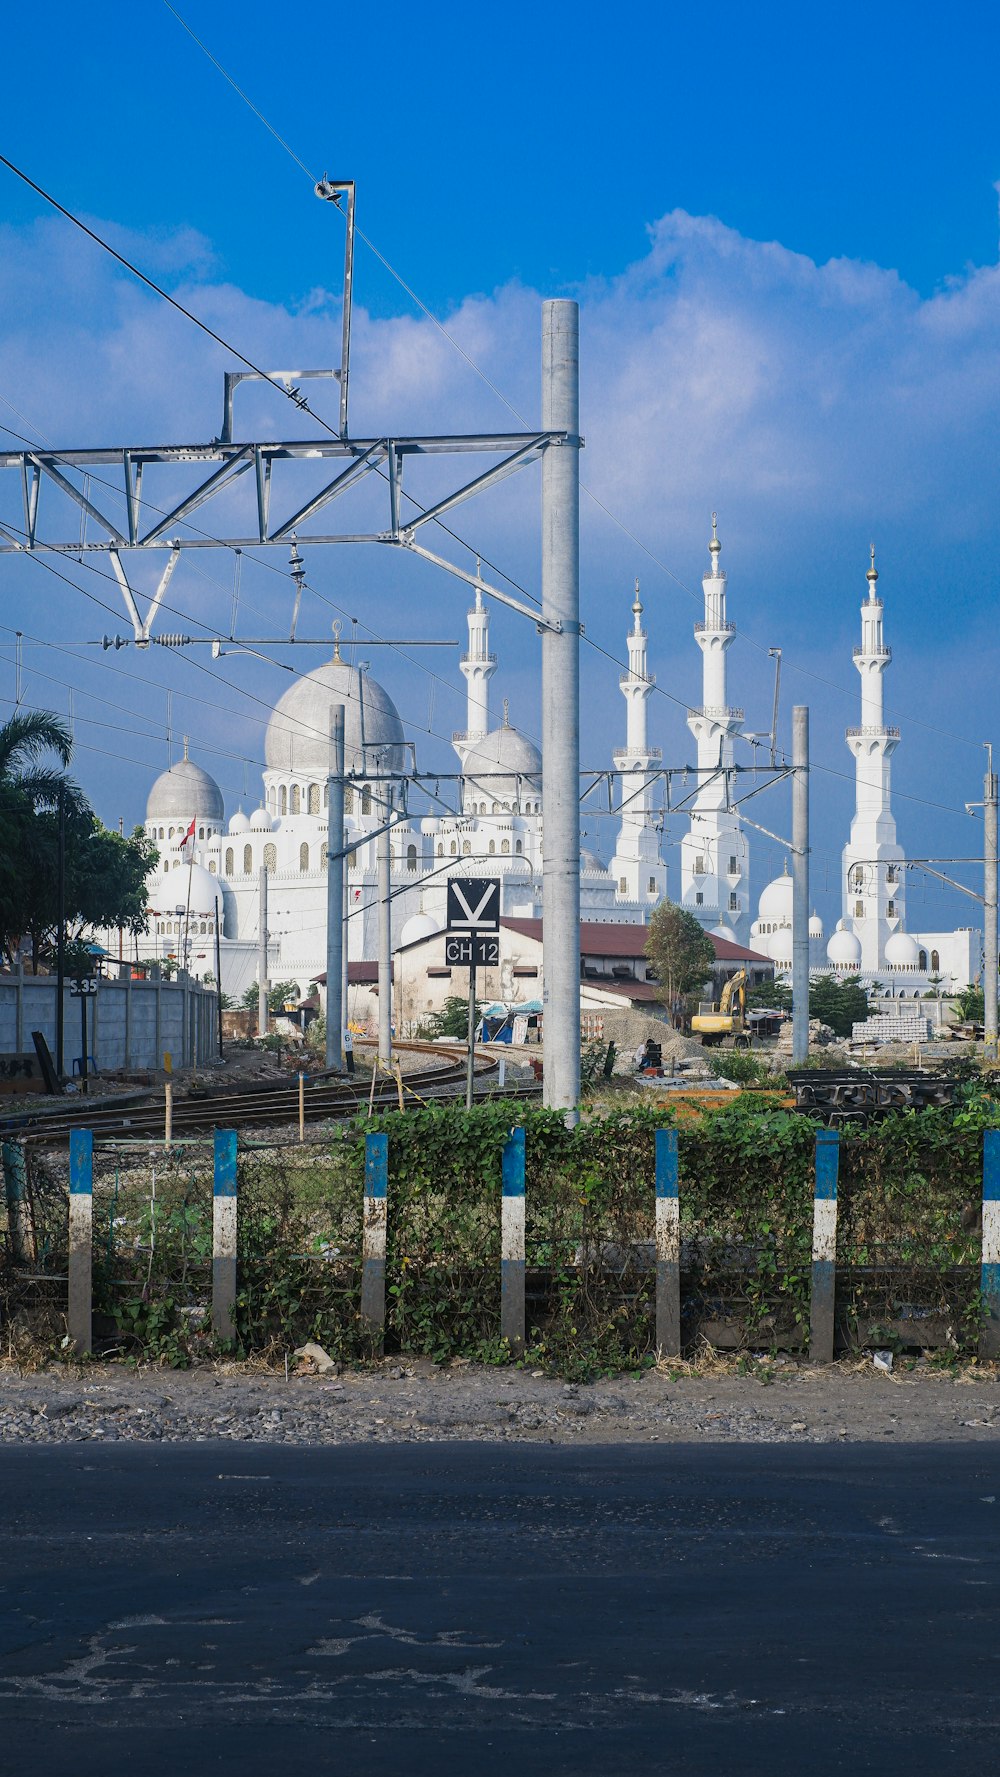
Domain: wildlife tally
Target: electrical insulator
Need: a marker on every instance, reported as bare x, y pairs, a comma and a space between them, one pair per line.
172, 639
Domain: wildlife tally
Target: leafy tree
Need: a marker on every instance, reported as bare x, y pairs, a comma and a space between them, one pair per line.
840, 1004
970, 1005
680, 950
771, 996
277, 994
453, 1018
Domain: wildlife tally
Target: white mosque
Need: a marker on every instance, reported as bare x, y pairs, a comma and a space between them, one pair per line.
213, 888
213, 885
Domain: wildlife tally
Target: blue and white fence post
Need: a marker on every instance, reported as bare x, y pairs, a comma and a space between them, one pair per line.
373, 1237
224, 1213
668, 1246
81, 1227
824, 1247
989, 1337
512, 1242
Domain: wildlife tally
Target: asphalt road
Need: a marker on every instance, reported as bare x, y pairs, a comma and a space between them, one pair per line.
461, 1608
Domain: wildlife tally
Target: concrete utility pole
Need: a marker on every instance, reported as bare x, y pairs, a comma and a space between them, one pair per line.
561, 706
262, 981
800, 883
335, 934
990, 909
384, 855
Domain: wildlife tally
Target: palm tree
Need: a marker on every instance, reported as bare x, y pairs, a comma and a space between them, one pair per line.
24, 741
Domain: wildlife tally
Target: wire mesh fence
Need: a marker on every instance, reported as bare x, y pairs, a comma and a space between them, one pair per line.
33, 1252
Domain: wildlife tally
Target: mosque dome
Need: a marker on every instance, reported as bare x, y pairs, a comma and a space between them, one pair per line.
260, 821
239, 823
298, 734
724, 931
902, 951
776, 900
778, 945
589, 860
844, 949
188, 884
503, 750
419, 925
815, 926
185, 792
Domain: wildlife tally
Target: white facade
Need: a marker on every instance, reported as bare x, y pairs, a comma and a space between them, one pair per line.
715, 864
498, 831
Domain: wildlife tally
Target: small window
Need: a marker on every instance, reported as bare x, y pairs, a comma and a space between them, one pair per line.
270, 857
352, 859
172, 832
699, 865
734, 868
283, 799
857, 877
322, 857
295, 806
348, 800
505, 847
201, 832
314, 799
652, 886
859, 910
366, 800
211, 868
935, 962
247, 860
699, 899
466, 848
326, 795
303, 857
493, 847
440, 849
230, 861
204, 927
734, 905
890, 910
411, 857
922, 959
453, 849
892, 875
518, 848
623, 885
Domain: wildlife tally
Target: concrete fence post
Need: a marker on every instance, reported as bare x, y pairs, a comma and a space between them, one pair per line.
512, 1243
824, 1247
81, 1226
989, 1338
373, 1247
668, 1245
225, 1204
15, 1179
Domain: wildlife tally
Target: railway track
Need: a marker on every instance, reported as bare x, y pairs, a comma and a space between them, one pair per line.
324, 1099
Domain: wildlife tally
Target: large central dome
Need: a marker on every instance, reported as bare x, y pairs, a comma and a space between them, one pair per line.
298, 734
504, 767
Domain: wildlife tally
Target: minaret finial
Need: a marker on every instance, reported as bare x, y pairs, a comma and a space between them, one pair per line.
506, 712
479, 590
715, 547
637, 606
336, 626
872, 575
185, 746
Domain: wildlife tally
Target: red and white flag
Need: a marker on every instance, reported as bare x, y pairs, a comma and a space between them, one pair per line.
188, 835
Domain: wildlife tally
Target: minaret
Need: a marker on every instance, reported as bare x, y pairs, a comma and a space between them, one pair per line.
637, 865
478, 666
714, 855
874, 892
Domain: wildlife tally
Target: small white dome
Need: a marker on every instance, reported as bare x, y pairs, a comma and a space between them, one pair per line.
844, 949
419, 925
723, 931
590, 861
503, 750
902, 951
776, 900
169, 891
239, 822
778, 945
815, 926
260, 821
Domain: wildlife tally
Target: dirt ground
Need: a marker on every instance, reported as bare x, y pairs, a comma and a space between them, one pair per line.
770, 1402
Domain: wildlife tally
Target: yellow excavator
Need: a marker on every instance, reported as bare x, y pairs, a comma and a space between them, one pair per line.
713, 1024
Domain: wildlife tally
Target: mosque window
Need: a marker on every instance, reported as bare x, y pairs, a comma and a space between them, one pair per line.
623, 885
493, 847
856, 880
453, 849
518, 847
314, 799
652, 885
922, 959
734, 868
859, 910
247, 860
322, 857
699, 865
295, 805
172, 832
270, 857
734, 905
162, 834
352, 859
303, 857
890, 910
230, 861
699, 899
411, 857
496, 808
201, 832
204, 927
440, 850
892, 874
505, 847
348, 800
935, 961
283, 800
466, 848
366, 800
212, 868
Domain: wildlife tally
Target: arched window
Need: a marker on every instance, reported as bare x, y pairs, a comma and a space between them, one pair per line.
322, 857
518, 848
496, 808
440, 849
272, 800
201, 832
352, 859
162, 834
303, 857
493, 847
411, 857
230, 862
172, 832
283, 800
935, 962
366, 800
348, 800
505, 847
314, 799
247, 860
453, 849
204, 927
270, 857
326, 795
295, 805
922, 959
466, 848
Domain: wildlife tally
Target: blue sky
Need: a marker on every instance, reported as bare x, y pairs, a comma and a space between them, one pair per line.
783, 232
